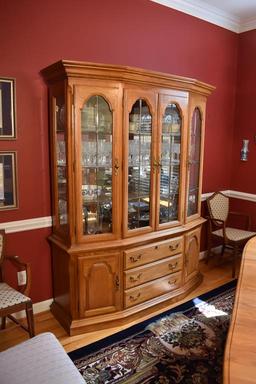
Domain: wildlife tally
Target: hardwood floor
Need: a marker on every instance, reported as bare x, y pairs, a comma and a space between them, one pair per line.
214, 276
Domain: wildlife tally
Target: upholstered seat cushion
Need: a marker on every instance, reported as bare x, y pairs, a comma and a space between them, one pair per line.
10, 297
235, 234
40, 360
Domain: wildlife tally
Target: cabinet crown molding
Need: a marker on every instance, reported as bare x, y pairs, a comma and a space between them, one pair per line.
67, 68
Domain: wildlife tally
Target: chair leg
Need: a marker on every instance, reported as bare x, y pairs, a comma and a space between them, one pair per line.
30, 319
3, 323
235, 253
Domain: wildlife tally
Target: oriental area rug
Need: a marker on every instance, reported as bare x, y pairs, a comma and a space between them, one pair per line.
185, 345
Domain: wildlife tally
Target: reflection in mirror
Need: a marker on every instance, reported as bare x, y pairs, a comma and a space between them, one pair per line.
170, 164
8, 194
139, 165
96, 165
194, 162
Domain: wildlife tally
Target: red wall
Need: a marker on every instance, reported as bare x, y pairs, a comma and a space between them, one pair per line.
243, 173
34, 34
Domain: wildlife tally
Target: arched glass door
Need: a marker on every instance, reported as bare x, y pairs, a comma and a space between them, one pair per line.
194, 162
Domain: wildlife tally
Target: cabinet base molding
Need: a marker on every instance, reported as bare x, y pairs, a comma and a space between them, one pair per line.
122, 318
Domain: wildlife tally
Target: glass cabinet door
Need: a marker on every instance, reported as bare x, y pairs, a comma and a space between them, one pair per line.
61, 214
96, 166
194, 163
139, 166
169, 166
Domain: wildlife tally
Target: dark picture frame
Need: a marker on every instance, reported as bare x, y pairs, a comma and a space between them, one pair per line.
8, 180
7, 109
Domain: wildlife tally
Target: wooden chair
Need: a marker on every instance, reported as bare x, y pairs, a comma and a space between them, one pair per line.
12, 300
218, 207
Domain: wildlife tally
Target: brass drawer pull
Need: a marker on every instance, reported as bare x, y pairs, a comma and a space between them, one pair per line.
173, 266
174, 247
170, 282
136, 258
134, 279
134, 298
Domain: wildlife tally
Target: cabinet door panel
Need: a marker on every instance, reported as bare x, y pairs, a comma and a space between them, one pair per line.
99, 285
98, 167
139, 181
192, 249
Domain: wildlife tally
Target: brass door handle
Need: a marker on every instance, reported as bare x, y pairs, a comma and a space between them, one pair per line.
117, 283
155, 165
116, 167
170, 282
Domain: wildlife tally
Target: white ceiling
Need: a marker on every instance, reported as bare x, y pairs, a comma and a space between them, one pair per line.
235, 15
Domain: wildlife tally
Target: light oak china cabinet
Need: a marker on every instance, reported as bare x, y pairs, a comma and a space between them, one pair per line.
126, 162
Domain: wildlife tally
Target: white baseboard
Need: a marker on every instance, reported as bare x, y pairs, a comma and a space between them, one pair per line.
203, 254
39, 307
42, 306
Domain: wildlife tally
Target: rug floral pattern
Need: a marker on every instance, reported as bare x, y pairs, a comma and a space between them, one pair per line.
183, 348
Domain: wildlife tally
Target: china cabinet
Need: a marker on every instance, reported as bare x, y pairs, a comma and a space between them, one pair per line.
126, 165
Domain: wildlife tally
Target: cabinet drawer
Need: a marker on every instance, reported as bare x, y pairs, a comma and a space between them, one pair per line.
152, 289
149, 253
143, 274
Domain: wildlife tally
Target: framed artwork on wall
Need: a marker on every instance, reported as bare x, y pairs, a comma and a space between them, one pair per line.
7, 109
8, 180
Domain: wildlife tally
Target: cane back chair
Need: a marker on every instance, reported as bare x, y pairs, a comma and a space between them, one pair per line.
15, 300
218, 207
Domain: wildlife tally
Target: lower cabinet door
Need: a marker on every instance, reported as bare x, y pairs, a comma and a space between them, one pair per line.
99, 284
192, 249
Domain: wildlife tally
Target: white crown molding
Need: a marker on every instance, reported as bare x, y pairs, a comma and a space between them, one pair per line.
214, 15
27, 225
248, 25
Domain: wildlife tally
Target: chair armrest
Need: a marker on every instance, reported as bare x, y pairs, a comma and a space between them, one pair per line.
22, 266
218, 223
247, 217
